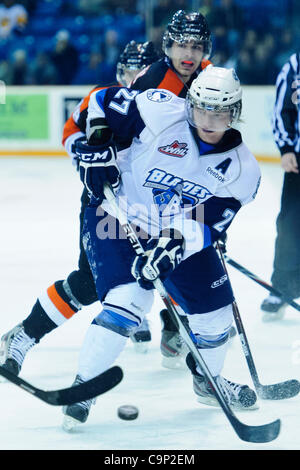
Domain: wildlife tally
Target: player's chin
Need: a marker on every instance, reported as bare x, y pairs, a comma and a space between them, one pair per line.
209, 136
188, 69
207, 131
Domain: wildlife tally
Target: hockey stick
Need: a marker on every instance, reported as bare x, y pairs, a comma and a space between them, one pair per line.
263, 433
278, 391
259, 281
67, 396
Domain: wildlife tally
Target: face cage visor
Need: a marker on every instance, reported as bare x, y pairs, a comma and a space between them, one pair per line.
202, 47
212, 118
126, 74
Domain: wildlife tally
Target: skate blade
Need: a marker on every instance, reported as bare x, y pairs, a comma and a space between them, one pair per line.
70, 423
141, 347
274, 316
177, 362
211, 401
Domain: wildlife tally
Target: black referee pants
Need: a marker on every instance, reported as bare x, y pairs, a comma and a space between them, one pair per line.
286, 273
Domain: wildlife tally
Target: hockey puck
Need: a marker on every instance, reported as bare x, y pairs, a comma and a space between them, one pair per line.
128, 412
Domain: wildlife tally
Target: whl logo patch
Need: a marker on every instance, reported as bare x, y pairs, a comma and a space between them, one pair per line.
176, 149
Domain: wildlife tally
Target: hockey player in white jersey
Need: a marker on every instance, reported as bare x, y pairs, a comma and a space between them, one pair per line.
64, 298
184, 178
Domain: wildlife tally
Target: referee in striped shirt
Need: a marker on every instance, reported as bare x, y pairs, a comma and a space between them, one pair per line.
286, 130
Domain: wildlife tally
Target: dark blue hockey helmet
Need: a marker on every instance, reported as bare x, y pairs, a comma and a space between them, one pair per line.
135, 57
187, 27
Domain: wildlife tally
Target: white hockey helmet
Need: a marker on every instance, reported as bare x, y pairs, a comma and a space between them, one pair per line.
215, 89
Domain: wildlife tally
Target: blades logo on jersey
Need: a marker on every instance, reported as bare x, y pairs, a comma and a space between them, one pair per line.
176, 149
192, 193
168, 202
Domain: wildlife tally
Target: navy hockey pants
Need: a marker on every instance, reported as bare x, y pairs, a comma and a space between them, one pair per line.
199, 284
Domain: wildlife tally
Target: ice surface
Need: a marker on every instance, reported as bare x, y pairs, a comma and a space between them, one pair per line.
39, 207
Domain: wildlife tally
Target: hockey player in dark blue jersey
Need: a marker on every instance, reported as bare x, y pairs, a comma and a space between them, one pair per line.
180, 184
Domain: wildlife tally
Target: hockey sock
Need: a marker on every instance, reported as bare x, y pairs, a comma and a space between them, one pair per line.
100, 349
38, 324
214, 358
51, 309
212, 331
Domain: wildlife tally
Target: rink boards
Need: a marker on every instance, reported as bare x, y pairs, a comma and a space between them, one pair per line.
32, 119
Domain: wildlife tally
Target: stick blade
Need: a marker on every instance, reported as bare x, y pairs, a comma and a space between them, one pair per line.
259, 434
92, 388
279, 391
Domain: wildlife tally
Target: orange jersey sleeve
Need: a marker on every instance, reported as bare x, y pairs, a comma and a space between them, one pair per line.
205, 63
171, 82
71, 126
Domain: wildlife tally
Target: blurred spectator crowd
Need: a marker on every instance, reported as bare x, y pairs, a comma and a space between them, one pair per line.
74, 42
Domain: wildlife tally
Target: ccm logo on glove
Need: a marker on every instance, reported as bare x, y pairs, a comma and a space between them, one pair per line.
97, 166
96, 157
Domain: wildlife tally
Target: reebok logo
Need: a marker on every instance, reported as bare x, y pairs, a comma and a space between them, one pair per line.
215, 174
176, 149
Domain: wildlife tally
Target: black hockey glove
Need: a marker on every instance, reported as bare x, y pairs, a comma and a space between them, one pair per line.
97, 165
162, 256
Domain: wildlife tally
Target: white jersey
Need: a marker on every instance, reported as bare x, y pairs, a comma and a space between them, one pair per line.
165, 154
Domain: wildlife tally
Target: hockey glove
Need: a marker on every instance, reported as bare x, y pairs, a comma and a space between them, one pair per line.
162, 256
73, 155
97, 165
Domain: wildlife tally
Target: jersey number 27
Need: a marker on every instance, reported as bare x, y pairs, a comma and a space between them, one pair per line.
128, 96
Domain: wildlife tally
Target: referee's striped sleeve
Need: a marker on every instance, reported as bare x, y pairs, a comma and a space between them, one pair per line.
286, 116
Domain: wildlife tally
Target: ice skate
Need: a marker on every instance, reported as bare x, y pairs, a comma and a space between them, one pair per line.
273, 308
240, 397
14, 346
78, 412
172, 347
142, 337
